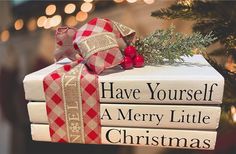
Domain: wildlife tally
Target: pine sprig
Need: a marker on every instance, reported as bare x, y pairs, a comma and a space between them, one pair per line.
168, 46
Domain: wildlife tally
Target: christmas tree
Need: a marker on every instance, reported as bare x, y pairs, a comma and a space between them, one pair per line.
218, 18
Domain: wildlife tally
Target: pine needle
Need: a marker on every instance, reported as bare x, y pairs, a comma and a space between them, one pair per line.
168, 46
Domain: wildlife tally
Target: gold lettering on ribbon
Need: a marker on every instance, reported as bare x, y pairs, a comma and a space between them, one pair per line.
97, 42
73, 105
124, 30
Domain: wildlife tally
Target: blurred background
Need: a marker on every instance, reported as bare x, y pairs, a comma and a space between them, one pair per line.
27, 44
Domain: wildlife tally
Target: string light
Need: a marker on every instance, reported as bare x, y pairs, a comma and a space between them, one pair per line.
50, 9
19, 23
41, 21
118, 1
131, 1
69, 8
149, 1
81, 16
86, 7
71, 21
32, 24
5, 35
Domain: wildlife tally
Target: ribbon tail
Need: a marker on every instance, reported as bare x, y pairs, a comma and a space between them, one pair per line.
126, 32
91, 106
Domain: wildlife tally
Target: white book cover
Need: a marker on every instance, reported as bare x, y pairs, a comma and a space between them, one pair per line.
148, 116
172, 138
193, 81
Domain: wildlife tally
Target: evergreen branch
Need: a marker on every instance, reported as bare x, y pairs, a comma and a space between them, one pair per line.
208, 16
168, 46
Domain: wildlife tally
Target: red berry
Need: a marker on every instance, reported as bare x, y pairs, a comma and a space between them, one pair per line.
138, 61
127, 63
130, 51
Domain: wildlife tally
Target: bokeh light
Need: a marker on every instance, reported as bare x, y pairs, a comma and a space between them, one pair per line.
19, 23
89, 1
233, 113
55, 20
5, 35
86, 7
41, 21
50, 9
47, 24
32, 24
118, 1
81, 16
69, 8
131, 1
71, 21
149, 1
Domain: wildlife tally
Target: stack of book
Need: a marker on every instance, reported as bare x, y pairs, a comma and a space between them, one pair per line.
172, 105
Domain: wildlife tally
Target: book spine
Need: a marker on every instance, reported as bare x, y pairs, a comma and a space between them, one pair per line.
189, 139
151, 91
176, 91
151, 116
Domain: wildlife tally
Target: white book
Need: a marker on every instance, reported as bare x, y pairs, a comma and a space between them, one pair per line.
148, 116
172, 138
193, 81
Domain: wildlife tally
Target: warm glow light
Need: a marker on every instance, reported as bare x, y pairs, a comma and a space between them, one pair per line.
89, 1
118, 1
81, 16
19, 23
5, 35
50, 9
70, 8
32, 25
149, 1
131, 1
71, 21
41, 21
55, 20
86, 7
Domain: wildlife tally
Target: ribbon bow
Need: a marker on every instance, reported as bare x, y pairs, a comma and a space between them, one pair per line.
71, 92
98, 42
